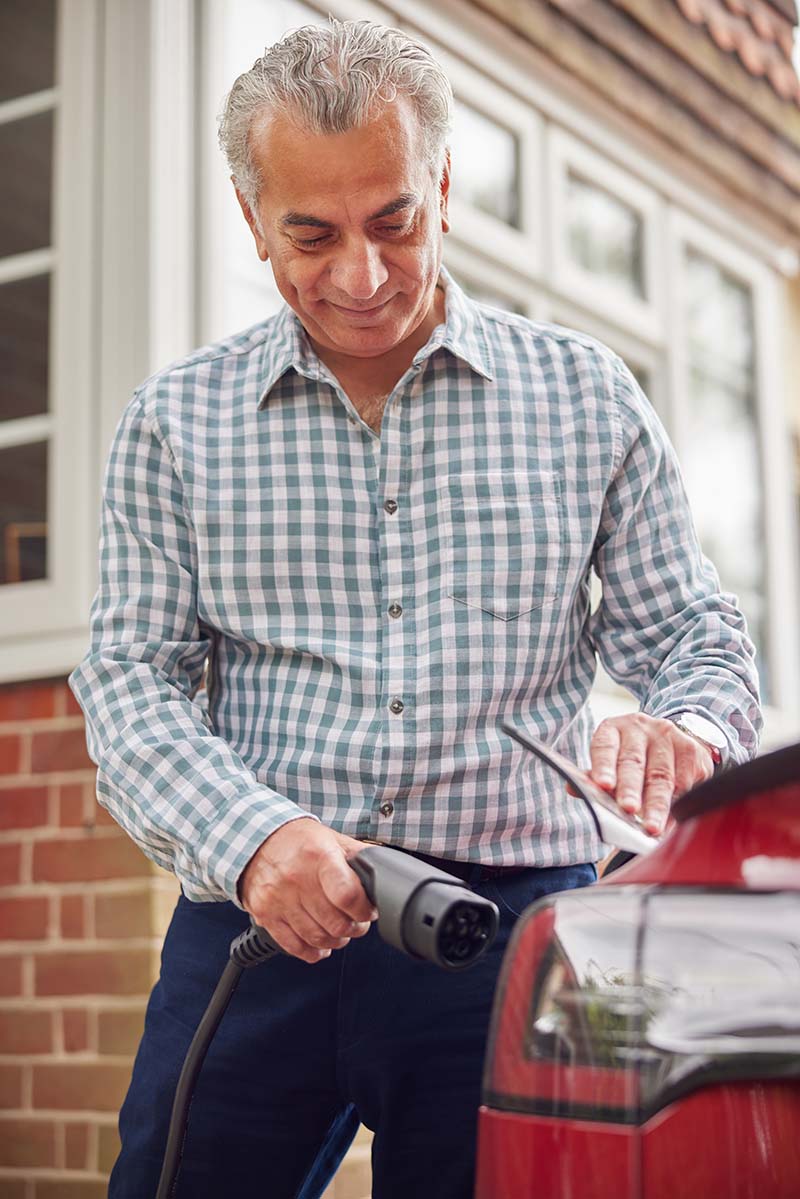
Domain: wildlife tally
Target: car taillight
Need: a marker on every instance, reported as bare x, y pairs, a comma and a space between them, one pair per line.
615, 1001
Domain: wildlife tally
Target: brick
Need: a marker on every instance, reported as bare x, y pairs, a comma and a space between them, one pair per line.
72, 805
10, 975
61, 749
25, 1030
23, 807
15, 1188
88, 859
76, 1146
102, 818
24, 918
125, 915
70, 1188
123, 972
27, 701
76, 1030
79, 1086
120, 1030
10, 864
10, 1086
72, 916
27, 1142
10, 746
71, 705
108, 1147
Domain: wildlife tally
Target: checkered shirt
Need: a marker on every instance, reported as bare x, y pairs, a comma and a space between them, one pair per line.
373, 608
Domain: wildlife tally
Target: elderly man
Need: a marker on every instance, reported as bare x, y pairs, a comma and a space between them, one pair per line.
375, 516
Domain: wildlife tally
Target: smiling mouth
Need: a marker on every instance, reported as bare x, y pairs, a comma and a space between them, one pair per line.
359, 311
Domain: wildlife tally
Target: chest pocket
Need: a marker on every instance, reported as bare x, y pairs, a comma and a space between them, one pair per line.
503, 541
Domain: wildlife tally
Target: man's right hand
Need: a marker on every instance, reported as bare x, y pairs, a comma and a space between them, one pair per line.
299, 887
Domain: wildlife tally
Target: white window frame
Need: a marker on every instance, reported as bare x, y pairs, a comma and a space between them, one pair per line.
643, 316
519, 250
43, 622
773, 427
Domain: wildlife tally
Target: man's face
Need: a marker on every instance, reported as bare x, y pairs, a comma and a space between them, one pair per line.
352, 224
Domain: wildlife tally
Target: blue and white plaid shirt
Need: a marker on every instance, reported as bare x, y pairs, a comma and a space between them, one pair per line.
374, 608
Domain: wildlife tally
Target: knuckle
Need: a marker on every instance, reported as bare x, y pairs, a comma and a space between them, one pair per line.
661, 773
632, 756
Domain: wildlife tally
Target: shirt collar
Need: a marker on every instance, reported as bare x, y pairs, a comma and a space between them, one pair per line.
462, 334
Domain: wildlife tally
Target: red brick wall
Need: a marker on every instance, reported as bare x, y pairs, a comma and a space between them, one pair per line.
81, 920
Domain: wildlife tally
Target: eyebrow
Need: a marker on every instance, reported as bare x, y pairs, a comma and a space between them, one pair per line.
406, 200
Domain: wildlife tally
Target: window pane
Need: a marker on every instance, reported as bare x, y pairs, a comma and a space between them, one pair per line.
721, 457
24, 336
485, 164
27, 42
485, 294
23, 513
605, 235
25, 183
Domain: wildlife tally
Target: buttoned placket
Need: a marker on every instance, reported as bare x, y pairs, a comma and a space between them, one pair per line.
397, 658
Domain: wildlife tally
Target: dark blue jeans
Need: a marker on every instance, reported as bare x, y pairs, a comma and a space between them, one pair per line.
305, 1052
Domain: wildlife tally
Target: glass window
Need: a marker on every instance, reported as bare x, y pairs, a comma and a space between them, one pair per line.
27, 47
24, 336
487, 295
23, 513
485, 165
26, 151
721, 451
606, 236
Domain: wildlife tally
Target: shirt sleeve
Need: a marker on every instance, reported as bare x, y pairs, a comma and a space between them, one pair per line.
180, 791
664, 629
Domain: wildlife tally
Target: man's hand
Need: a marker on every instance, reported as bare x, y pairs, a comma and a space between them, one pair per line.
299, 887
645, 762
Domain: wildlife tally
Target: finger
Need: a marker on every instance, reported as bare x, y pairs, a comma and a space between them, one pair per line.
333, 922
693, 764
342, 890
604, 750
315, 934
659, 786
285, 937
631, 763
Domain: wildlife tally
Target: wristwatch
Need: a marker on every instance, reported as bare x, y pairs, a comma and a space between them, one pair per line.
706, 732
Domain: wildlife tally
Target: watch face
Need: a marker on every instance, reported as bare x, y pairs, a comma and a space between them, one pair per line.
706, 730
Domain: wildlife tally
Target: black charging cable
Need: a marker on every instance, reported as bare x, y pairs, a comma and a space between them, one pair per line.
422, 911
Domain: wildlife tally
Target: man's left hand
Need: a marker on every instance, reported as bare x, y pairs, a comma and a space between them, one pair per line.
644, 762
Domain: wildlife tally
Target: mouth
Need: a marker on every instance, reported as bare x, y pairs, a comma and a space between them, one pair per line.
359, 312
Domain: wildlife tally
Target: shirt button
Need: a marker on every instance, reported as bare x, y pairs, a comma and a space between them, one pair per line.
391, 507
396, 706
395, 610
386, 809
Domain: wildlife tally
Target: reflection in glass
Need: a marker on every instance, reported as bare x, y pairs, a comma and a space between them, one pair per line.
721, 452
24, 335
23, 513
27, 42
25, 183
606, 236
485, 165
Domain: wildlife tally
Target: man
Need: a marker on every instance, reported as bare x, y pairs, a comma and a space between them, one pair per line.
375, 514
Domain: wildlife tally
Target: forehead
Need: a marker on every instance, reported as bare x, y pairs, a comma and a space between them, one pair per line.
368, 166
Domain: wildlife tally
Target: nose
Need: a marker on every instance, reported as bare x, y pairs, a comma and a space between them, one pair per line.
358, 270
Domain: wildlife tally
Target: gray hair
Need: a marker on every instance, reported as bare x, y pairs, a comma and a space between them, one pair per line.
330, 78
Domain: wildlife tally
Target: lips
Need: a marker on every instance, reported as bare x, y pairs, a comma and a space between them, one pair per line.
359, 311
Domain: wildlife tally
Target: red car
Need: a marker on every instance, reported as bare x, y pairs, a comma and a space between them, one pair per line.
645, 1039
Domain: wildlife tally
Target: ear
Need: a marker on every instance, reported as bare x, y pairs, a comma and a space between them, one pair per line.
444, 193
249, 216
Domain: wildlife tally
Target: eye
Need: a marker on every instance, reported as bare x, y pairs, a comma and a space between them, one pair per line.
312, 241
392, 228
